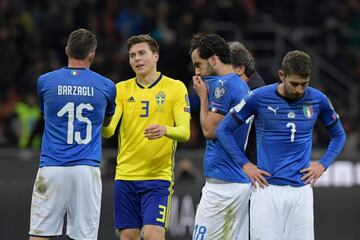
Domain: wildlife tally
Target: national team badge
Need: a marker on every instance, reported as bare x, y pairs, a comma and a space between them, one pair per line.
308, 111
160, 98
219, 92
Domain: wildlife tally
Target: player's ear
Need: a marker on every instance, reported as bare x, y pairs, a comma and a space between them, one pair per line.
66, 51
156, 56
281, 74
91, 57
212, 60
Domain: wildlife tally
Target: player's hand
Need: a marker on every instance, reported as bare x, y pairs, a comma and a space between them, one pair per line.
256, 175
199, 86
155, 131
312, 173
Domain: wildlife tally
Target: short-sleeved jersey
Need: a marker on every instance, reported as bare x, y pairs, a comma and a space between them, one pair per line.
224, 92
284, 130
74, 102
139, 107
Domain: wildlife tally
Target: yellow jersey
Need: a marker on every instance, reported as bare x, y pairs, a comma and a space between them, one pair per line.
164, 102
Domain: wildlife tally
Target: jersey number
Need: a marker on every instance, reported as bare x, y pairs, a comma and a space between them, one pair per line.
292, 130
72, 113
145, 109
199, 232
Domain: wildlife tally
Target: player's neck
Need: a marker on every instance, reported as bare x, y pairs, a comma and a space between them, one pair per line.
78, 63
280, 89
225, 69
147, 79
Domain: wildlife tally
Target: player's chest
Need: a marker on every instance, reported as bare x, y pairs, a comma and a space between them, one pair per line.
147, 103
277, 116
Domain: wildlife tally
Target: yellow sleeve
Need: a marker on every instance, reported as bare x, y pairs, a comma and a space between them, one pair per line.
108, 131
181, 110
181, 132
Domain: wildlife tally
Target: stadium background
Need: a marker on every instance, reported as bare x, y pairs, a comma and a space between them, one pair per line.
32, 40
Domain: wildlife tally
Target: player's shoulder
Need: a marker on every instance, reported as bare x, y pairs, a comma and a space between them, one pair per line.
265, 90
172, 81
106, 80
313, 92
125, 83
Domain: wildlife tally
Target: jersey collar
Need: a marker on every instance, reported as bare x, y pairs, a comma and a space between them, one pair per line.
152, 85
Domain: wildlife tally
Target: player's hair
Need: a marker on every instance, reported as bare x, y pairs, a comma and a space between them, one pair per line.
146, 38
297, 63
209, 45
240, 56
81, 43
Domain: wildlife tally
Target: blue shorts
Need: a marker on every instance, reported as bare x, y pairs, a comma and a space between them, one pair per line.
139, 203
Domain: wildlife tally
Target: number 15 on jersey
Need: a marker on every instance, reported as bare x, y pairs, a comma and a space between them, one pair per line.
77, 113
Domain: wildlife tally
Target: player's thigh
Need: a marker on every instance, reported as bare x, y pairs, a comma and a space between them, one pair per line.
222, 211
300, 224
127, 205
50, 197
156, 202
85, 202
268, 213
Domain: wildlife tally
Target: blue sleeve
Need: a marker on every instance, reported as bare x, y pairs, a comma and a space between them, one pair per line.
327, 114
337, 142
236, 117
226, 96
246, 108
224, 134
110, 108
40, 94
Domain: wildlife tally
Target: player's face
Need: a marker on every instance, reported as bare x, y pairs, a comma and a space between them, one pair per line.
202, 66
293, 85
142, 60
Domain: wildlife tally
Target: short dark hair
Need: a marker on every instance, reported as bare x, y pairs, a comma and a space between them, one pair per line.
209, 45
81, 43
240, 56
297, 63
153, 45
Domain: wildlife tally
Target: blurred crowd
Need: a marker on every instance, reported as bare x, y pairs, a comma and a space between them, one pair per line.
33, 36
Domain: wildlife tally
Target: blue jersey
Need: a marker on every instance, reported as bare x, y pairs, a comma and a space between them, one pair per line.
284, 130
224, 92
74, 102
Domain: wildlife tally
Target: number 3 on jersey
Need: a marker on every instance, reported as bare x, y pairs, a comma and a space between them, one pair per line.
145, 108
72, 113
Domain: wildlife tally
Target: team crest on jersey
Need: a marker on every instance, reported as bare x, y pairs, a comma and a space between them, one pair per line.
160, 98
308, 111
219, 92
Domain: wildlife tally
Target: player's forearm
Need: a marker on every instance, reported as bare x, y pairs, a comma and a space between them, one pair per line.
109, 129
224, 135
206, 125
181, 132
337, 142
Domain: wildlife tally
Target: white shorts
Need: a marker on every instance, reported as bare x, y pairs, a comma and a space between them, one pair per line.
74, 190
223, 212
282, 213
